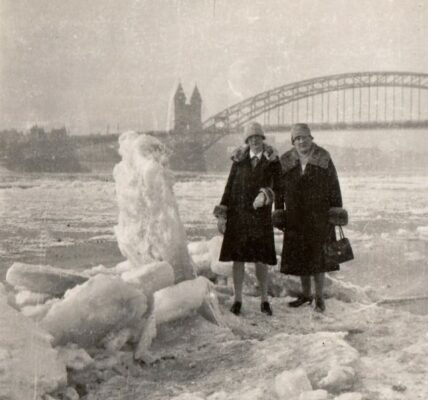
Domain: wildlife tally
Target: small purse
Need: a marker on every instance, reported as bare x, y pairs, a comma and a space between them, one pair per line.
339, 251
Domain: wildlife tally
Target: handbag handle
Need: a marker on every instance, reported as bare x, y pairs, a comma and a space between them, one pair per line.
341, 234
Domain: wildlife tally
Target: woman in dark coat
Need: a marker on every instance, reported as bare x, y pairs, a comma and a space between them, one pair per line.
309, 188
244, 213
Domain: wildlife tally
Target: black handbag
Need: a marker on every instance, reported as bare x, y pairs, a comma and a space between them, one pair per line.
339, 251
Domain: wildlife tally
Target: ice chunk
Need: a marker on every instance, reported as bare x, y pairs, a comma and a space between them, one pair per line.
115, 340
148, 333
203, 265
92, 310
99, 269
150, 277
219, 267
74, 358
348, 292
256, 393
43, 278
199, 247
423, 232
27, 298
350, 396
290, 384
338, 379
317, 353
221, 395
180, 300
149, 227
123, 267
71, 394
29, 366
189, 396
314, 395
38, 312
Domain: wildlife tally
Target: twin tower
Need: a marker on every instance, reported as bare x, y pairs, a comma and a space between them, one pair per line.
187, 116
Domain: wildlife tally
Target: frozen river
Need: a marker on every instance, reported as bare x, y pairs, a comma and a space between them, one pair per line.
388, 221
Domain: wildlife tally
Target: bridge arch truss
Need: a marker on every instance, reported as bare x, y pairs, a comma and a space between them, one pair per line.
351, 98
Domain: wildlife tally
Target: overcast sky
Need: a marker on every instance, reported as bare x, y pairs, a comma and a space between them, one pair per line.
85, 64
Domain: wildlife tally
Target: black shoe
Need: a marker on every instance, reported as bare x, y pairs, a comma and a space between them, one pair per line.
300, 301
265, 308
319, 305
236, 308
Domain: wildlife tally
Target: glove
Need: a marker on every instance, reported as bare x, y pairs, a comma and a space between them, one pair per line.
221, 225
259, 201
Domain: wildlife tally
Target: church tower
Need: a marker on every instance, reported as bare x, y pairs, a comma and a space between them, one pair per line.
195, 111
187, 117
187, 139
180, 110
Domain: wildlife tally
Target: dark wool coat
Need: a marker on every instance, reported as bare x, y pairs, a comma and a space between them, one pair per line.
307, 198
249, 233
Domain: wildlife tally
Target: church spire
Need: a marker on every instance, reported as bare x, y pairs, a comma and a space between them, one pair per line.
196, 96
179, 94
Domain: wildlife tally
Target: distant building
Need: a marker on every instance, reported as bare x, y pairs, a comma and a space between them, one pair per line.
187, 116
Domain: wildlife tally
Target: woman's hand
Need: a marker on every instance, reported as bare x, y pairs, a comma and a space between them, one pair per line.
259, 201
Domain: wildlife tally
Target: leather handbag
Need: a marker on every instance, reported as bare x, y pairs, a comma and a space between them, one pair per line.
338, 251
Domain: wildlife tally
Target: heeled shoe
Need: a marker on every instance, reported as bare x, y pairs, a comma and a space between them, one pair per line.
265, 308
300, 301
236, 308
319, 305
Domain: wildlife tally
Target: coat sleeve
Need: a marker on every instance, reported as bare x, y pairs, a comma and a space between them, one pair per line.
335, 195
225, 200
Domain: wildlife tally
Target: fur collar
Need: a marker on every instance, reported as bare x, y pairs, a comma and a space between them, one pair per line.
243, 152
319, 157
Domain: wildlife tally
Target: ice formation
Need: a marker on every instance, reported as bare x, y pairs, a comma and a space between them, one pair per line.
74, 357
149, 227
150, 277
219, 267
290, 384
91, 311
314, 395
43, 278
28, 298
179, 300
29, 366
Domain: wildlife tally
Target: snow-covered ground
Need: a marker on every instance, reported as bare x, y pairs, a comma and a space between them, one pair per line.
137, 332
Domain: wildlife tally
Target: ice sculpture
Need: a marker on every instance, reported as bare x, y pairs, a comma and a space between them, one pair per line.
149, 227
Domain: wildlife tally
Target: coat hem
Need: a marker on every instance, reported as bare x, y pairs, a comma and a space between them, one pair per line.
306, 273
229, 259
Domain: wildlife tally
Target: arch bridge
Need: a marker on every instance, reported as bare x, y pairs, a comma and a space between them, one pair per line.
362, 100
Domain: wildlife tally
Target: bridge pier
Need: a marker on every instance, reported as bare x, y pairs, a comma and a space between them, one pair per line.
187, 153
